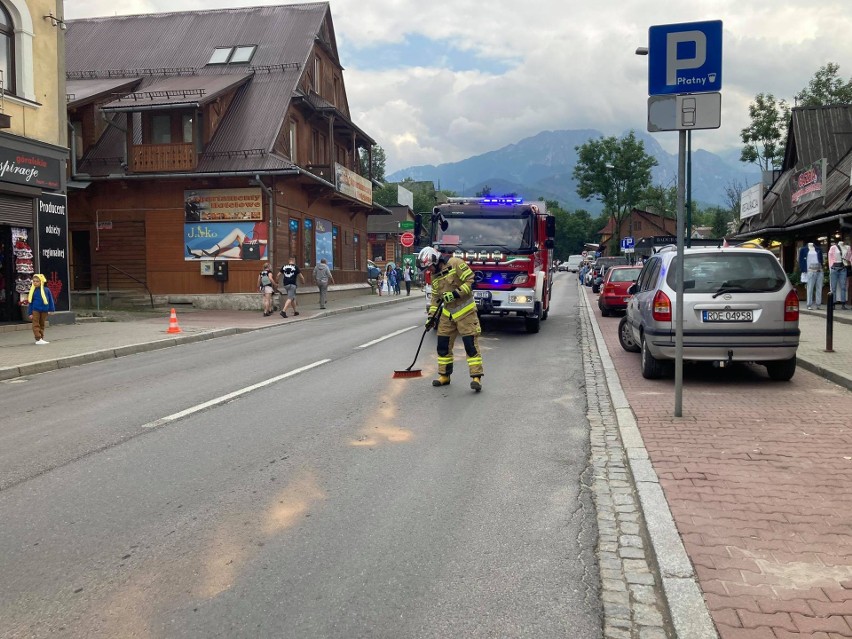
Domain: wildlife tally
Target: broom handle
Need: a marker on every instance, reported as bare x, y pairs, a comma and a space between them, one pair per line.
422, 337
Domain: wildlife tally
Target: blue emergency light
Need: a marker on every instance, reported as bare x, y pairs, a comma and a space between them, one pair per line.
502, 200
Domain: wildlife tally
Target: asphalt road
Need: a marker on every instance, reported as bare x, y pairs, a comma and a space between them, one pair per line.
282, 484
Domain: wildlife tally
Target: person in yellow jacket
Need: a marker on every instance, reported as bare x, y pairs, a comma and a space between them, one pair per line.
452, 291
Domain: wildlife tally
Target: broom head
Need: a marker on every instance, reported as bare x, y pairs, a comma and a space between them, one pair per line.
407, 373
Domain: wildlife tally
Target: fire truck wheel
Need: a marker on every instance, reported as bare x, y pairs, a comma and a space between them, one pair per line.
533, 322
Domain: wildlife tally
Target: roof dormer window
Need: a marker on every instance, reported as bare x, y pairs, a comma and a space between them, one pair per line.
233, 55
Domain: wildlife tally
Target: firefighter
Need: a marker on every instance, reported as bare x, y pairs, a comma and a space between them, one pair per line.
452, 285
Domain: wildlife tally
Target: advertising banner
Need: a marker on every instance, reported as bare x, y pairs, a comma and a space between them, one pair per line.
325, 245
351, 184
31, 169
225, 241
221, 205
808, 184
52, 222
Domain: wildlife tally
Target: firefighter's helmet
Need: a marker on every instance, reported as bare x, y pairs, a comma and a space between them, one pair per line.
427, 257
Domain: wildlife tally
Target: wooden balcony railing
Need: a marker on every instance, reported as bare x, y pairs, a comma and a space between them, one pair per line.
156, 158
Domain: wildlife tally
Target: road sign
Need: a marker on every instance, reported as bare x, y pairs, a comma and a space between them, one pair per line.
407, 239
627, 243
685, 58
407, 225
684, 112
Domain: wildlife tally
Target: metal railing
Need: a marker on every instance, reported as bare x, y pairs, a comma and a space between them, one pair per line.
110, 267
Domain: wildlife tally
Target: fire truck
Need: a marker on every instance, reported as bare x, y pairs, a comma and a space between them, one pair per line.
508, 244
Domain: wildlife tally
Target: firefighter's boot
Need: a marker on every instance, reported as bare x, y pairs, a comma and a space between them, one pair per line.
475, 383
443, 380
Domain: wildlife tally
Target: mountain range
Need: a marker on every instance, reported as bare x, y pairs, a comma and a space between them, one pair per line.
542, 165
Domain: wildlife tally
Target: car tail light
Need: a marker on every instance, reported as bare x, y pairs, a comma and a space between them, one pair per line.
791, 307
662, 308
609, 289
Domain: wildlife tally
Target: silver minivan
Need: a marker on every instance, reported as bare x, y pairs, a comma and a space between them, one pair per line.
739, 306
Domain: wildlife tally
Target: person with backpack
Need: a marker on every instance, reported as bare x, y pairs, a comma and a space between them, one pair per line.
265, 285
322, 276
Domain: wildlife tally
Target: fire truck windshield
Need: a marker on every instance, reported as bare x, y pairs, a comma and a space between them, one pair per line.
507, 234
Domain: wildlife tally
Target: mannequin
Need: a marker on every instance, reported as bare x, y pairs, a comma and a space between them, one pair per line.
810, 264
837, 264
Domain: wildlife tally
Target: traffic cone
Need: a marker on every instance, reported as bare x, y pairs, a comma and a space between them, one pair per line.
173, 324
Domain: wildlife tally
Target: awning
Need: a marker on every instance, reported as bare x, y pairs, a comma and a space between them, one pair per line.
79, 92
178, 91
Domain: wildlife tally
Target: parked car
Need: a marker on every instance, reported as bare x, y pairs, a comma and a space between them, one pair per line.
738, 306
614, 295
573, 263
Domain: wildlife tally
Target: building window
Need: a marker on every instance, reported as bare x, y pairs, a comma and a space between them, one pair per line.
187, 126
7, 50
317, 69
78, 138
309, 242
377, 251
161, 129
293, 154
233, 55
315, 147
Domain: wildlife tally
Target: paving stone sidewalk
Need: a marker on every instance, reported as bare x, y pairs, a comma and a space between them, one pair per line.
758, 478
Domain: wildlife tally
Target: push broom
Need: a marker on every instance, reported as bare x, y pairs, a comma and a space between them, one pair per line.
416, 372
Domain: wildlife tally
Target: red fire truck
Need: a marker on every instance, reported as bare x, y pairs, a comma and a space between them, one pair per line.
508, 244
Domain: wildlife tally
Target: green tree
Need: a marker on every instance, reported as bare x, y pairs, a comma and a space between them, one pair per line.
615, 172
484, 192
660, 199
721, 217
377, 165
765, 137
825, 88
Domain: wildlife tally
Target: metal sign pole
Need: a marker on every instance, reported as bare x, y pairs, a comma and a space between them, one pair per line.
681, 188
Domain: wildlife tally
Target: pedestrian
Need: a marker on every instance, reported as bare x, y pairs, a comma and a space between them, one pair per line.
40, 305
406, 276
290, 274
838, 259
398, 283
322, 276
372, 275
391, 279
452, 285
379, 282
265, 284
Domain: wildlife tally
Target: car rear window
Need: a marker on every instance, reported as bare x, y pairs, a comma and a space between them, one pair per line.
624, 274
730, 271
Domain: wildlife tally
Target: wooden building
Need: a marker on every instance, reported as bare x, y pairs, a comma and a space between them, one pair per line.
208, 143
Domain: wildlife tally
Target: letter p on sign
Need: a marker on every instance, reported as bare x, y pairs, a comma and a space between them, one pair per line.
674, 63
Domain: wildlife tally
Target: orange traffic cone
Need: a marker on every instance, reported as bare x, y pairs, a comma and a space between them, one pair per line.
173, 325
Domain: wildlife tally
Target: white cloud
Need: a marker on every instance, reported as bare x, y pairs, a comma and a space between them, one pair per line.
570, 65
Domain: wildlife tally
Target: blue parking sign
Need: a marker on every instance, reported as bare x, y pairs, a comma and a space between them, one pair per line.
685, 58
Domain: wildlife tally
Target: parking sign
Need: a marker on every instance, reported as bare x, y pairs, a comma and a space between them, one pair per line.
685, 58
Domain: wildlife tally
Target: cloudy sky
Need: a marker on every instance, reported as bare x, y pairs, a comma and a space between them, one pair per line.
442, 80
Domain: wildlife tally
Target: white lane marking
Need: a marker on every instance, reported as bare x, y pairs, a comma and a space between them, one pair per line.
226, 398
382, 339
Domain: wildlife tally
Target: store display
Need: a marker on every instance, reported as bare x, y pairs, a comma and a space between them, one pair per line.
24, 268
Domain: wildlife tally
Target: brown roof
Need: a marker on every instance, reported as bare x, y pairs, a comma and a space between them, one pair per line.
815, 132
82, 91
171, 92
167, 49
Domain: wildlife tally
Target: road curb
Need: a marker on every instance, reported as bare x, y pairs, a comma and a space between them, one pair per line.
689, 614
828, 373
44, 366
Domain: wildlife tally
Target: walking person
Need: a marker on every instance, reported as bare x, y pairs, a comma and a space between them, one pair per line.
391, 279
406, 276
290, 274
379, 282
452, 285
322, 276
399, 276
265, 284
41, 303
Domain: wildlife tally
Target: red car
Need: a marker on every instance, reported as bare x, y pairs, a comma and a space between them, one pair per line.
616, 281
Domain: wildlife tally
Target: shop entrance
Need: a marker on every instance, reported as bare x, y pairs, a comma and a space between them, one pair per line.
81, 265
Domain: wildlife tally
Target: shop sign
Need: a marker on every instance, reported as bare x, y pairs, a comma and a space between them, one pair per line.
808, 184
351, 184
751, 201
223, 205
52, 229
20, 167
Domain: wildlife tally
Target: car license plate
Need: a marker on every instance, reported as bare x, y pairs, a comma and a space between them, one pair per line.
482, 295
727, 316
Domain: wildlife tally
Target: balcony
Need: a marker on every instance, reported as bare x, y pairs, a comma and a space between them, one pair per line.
160, 158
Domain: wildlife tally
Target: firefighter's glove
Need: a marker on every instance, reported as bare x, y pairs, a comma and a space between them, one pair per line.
449, 296
430, 321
